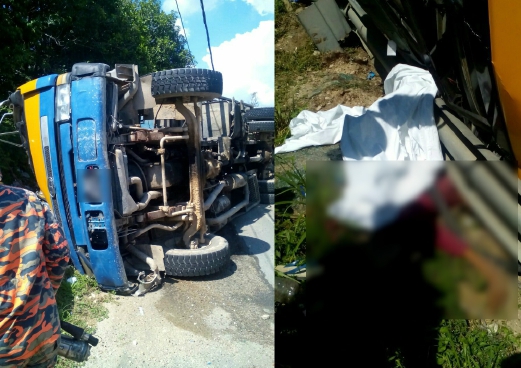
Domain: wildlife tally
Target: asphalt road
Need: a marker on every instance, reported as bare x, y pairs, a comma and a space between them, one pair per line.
224, 320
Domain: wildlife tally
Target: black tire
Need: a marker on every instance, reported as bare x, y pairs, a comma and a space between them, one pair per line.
261, 113
266, 198
207, 260
203, 83
261, 126
267, 186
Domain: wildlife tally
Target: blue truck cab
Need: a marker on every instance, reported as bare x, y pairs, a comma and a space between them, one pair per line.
137, 196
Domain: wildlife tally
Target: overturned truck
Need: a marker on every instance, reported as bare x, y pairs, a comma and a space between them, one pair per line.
138, 194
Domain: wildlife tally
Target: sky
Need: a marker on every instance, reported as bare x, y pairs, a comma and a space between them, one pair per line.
242, 34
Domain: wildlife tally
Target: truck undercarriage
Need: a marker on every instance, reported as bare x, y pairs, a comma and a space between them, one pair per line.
139, 195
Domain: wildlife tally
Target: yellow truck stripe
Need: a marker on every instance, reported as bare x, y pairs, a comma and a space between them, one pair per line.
32, 118
28, 87
62, 78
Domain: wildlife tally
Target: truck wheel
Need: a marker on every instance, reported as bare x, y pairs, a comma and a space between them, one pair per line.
261, 126
206, 260
260, 113
187, 82
267, 186
267, 198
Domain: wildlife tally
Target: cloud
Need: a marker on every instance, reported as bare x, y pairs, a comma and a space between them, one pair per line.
247, 64
185, 32
189, 7
263, 7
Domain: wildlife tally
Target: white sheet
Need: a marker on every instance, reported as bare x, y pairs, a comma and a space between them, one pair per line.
378, 191
399, 126
317, 128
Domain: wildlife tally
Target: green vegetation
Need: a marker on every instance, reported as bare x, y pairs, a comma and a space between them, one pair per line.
460, 343
288, 66
42, 38
280, 8
468, 344
465, 343
290, 213
81, 304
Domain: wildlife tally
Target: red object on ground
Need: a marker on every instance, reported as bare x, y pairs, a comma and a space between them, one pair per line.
449, 242
446, 240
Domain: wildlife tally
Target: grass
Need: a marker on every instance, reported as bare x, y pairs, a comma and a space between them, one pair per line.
280, 16
467, 344
81, 304
464, 343
291, 65
290, 214
460, 343
290, 245
288, 66
284, 112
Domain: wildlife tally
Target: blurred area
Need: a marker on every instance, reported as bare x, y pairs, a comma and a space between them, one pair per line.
414, 231
394, 248
92, 185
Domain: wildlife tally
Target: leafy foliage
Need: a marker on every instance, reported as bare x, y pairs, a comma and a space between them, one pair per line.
464, 345
82, 304
48, 37
290, 214
289, 65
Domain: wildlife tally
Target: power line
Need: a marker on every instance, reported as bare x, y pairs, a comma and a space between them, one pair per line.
207, 34
184, 30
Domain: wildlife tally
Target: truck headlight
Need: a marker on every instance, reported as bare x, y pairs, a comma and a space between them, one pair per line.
63, 102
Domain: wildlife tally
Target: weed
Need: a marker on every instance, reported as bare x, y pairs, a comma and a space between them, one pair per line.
300, 60
283, 20
290, 214
283, 115
289, 66
280, 8
80, 304
465, 344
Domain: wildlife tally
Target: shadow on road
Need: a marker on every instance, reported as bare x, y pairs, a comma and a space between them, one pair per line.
255, 246
254, 214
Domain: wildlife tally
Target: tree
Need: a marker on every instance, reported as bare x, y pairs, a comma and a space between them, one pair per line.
42, 37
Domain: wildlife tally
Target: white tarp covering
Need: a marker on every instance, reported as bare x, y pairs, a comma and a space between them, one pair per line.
378, 191
399, 126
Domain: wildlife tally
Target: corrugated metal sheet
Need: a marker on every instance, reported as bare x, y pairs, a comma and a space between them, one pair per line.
325, 24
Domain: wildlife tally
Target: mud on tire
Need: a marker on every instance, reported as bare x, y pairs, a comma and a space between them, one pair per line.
206, 260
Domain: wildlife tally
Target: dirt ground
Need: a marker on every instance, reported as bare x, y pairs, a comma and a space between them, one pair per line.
221, 320
319, 81
342, 78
